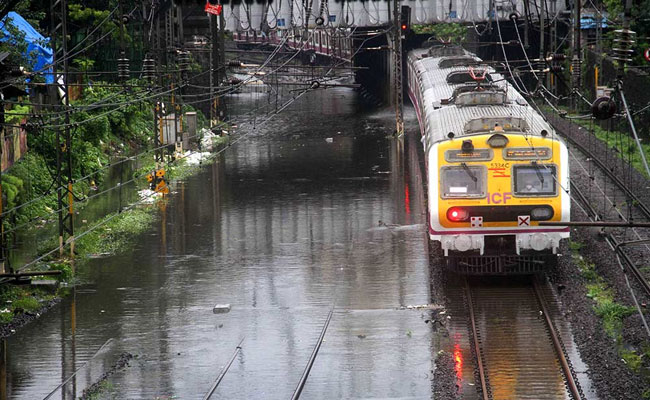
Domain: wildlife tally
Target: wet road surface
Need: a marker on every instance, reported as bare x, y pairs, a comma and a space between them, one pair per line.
309, 212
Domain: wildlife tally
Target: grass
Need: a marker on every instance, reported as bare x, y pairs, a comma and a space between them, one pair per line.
17, 299
100, 391
610, 312
622, 143
633, 360
117, 232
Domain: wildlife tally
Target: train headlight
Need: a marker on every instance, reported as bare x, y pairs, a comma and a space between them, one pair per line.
497, 141
541, 213
457, 214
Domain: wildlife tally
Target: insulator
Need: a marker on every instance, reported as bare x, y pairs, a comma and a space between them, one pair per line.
575, 71
556, 68
622, 45
148, 68
603, 108
556, 57
234, 63
184, 61
123, 68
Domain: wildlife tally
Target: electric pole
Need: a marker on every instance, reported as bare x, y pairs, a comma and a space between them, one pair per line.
222, 61
215, 62
542, 56
59, 15
2, 141
576, 62
397, 69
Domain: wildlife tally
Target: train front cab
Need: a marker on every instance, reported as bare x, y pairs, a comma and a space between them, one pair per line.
492, 191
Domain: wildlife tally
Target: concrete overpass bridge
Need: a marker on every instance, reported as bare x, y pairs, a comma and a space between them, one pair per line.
286, 14
327, 31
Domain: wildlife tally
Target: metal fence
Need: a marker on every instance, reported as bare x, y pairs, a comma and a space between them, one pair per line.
636, 85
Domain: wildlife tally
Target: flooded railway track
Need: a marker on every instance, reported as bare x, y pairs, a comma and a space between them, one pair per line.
517, 359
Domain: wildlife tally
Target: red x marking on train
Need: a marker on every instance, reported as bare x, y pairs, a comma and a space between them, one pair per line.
523, 220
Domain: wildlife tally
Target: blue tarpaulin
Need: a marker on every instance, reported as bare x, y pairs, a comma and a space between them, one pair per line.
36, 44
590, 22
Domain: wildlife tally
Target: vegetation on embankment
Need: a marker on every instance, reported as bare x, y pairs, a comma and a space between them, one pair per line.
611, 312
31, 182
621, 142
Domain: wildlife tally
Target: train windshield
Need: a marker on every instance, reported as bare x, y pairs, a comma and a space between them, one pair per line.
534, 180
462, 181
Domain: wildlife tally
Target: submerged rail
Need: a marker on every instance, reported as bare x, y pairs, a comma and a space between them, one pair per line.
310, 363
223, 371
476, 344
535, 326
557, 345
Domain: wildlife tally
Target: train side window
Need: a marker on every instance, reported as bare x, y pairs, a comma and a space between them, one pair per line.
462, 181
534, 180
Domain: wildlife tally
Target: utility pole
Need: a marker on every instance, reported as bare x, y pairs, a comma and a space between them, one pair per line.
397, 70
222, 61
59, 15
542, 56
623, 54
526, 16
2, 141
553, 28
576, 62
215, 76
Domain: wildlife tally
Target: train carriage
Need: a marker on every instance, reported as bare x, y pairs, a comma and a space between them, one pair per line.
495, 167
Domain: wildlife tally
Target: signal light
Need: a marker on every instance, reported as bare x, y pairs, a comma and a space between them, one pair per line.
457, 214
405, 19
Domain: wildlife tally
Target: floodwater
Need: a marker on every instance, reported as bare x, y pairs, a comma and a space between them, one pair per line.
313, 211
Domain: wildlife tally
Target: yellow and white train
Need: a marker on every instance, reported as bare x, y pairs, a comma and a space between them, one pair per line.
495, 167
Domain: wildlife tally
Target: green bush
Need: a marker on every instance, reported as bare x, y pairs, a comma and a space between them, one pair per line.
27, 304
612, 314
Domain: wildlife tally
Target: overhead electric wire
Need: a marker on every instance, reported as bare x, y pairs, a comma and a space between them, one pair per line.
69, 56
85, 199
103, 222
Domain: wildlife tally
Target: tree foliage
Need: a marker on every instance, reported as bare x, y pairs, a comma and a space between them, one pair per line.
447, 32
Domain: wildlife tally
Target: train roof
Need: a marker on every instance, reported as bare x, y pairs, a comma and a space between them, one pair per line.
463, 121
470, 112
435, 82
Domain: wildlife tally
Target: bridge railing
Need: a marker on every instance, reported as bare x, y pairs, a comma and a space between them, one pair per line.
320, 41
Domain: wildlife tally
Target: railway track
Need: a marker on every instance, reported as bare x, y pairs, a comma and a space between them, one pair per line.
518, 350
637, 205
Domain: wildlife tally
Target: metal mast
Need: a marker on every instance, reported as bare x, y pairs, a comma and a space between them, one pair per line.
397, 69
58, 12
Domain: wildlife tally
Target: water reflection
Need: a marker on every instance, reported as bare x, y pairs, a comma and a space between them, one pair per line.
281, 226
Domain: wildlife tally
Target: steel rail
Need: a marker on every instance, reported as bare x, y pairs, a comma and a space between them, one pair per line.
613, 242
638, 203
223, 371
477, 346
566, 369
310, 363
78, 369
